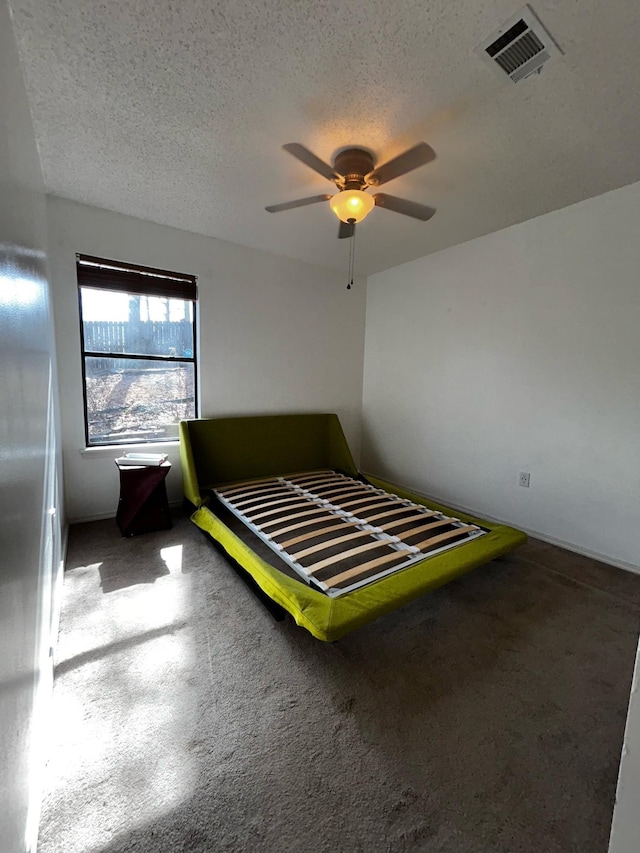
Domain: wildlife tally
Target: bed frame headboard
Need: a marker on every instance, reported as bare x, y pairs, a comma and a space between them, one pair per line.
214, 451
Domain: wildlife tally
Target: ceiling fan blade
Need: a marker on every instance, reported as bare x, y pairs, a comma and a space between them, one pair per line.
309, 159
403, 205
419, 155
299, 202
346, 229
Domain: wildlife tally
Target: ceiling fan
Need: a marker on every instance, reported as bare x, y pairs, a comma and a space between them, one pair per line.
353, 171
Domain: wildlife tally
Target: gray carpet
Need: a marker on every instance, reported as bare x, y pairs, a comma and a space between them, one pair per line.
487, 716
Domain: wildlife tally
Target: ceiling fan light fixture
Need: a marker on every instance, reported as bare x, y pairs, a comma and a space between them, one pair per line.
351, 205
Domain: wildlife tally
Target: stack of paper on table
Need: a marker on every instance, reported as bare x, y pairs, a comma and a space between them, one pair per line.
138, 459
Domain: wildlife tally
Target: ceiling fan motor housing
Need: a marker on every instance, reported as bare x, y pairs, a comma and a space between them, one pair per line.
353, 164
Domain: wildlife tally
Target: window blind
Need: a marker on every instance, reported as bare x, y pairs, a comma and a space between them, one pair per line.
146, 281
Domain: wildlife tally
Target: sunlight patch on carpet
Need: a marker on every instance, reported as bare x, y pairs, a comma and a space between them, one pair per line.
172, 557
135, 640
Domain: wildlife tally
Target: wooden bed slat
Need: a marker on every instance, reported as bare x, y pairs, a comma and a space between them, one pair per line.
345, 555
362, 492
336, 496
338, 540
422, 527
333, 486
443, 537
376, 503
366, 567
261, 495
280, 511
293, 517
303, 537
307, 485
239, 487
389, 512
300, 524
292, 496
310, 487
321, 472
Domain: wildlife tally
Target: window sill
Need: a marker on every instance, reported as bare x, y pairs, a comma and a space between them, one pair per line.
113, 450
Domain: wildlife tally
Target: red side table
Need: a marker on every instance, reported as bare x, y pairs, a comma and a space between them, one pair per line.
143, 506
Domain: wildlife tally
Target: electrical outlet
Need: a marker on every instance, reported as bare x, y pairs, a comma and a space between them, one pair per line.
523, 479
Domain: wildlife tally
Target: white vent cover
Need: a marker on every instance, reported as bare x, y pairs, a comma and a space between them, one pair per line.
520, 47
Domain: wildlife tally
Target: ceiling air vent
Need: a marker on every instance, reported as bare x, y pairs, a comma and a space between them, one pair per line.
520, 47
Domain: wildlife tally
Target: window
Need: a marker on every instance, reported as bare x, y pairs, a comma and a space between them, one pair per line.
138, 351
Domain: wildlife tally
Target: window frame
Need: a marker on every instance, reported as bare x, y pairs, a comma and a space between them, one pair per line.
135, 280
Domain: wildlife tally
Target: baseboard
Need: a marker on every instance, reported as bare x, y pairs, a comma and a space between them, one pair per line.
105, 516
85, 519
536, 534
584, 552
58, 589
64, 546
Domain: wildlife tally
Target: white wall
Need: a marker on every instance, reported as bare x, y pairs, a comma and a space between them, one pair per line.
276, 335
30, 517
519, 351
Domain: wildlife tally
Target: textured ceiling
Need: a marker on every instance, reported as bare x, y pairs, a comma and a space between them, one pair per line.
176, 111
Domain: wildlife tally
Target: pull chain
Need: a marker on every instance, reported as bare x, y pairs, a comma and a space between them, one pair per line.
352, 253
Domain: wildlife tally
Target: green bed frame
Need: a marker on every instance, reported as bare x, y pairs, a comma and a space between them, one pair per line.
217, 451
